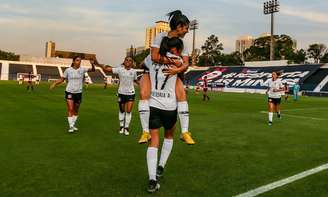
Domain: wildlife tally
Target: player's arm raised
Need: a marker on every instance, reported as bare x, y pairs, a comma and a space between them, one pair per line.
102, 66
93, 67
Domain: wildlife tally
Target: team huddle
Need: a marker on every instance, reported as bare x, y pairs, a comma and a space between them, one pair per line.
163, 98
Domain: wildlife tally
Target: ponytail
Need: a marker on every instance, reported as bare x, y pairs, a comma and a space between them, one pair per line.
176, 18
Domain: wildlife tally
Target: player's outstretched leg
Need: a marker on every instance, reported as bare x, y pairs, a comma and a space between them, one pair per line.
183, 113
143, 108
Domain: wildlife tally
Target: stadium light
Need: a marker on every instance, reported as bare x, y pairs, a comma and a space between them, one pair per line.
193, 26
271, 7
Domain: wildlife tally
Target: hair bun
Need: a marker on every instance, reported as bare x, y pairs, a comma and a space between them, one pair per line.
174, 13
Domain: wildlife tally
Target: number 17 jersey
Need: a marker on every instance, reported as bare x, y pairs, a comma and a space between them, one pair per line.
162, 87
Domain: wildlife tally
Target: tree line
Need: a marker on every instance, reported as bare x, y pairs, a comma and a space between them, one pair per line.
212, 52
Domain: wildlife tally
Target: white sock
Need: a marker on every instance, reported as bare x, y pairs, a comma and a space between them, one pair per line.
70, 121
128, 117
152, 162
183, 112
121, 118
74, 119
166, 151
144, 112
270, 116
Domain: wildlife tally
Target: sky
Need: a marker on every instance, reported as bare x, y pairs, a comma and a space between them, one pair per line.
108, 27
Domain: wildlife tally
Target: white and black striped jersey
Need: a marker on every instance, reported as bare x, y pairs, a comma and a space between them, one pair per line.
275, 85
162, 87
75, 79
127, 78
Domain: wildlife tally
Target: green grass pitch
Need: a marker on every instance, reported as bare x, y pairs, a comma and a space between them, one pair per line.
236, 150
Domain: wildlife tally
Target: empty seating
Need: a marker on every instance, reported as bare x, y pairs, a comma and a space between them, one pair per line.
312, 81
18, 68
96, 77
48, 72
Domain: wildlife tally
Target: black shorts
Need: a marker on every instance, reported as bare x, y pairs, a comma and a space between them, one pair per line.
145, 68
122, 98
181, 76
159, 118
76, 97
275, 101
205, 89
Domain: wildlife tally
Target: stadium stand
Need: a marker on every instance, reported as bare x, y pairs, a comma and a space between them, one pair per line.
18, 68
64, 68
325, 88
96, 77
312, 81
253, 78
192, 76
48, 72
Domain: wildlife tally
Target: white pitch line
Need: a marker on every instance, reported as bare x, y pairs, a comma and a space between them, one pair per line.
274, 185
309, 108
297, 116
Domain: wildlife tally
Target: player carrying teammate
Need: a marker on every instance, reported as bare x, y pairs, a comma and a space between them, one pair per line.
274, 92
74, 77
126, 92
179, 25
163, 110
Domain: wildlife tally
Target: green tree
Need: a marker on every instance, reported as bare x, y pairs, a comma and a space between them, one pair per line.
260, 51
317, 51
299, 57
8, 56
211, 49
140, 57
232, 59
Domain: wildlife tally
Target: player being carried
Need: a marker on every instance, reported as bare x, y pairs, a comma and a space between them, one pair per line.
74, 77
274, 92
179, 25
126, 92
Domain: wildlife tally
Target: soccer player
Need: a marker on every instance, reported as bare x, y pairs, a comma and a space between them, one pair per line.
105, 82
30, 77
274, 92
205, 89
163, 110
179, 25
296, 89
126, 92
74, 77
286, 92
